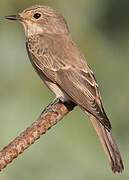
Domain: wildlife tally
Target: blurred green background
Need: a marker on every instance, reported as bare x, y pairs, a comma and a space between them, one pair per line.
70, 150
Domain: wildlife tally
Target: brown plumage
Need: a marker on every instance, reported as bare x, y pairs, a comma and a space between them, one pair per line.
63, 68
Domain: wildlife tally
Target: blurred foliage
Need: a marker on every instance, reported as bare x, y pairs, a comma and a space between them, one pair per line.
71, 149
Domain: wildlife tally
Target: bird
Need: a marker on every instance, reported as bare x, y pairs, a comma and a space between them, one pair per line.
65, 71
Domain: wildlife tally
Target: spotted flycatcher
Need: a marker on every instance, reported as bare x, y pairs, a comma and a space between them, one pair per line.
64, 70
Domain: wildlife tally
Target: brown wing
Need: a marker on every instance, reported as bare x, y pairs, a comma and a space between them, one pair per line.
61, 61
82, 92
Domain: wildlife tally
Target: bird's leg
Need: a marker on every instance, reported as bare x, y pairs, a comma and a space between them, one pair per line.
49, 105
53, 102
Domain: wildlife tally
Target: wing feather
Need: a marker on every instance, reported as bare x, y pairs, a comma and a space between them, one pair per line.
82, 93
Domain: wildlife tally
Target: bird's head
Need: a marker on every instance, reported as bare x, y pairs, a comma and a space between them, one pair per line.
41, 19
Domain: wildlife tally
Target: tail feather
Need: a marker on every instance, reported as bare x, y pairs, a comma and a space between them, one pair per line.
109, 145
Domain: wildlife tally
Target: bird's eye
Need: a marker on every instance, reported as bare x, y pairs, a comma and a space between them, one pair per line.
37, 15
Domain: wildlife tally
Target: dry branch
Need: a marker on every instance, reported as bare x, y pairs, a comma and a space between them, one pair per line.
49, 117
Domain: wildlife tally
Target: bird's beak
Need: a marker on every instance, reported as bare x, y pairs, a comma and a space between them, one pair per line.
14, 17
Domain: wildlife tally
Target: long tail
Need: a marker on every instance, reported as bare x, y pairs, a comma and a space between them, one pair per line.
109, 146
